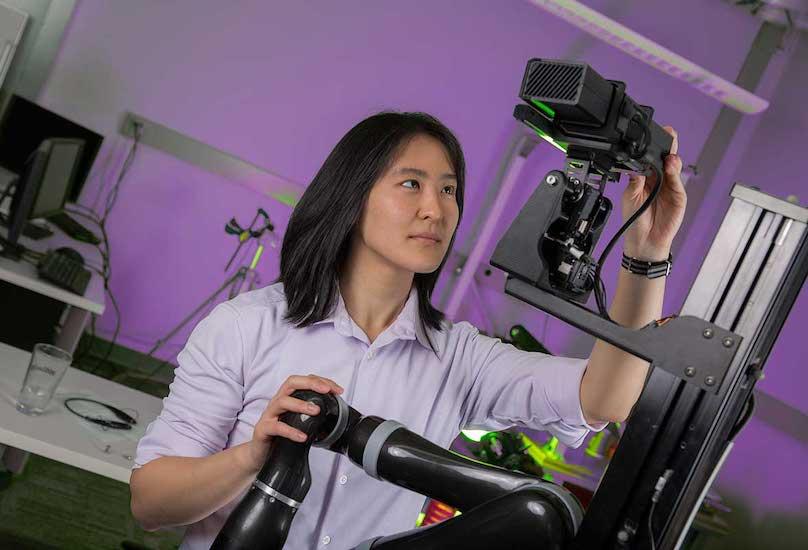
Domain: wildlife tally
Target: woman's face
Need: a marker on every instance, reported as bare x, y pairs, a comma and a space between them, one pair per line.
412, 212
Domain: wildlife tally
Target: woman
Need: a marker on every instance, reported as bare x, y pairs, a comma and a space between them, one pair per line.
350, 314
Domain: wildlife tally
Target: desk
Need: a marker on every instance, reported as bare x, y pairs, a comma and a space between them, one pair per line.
58, 434
24, 274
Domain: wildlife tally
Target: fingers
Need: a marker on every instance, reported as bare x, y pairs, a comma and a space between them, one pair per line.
283, 403
673, 174
675, 144
673, 165
310, 382
269, 425
268, 428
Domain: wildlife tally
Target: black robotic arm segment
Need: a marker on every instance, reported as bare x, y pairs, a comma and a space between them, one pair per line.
387, 450
263, 517
397, 455
521, 519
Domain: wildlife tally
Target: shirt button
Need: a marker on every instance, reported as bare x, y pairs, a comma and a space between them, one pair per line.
326, 539
370, 355
343, 479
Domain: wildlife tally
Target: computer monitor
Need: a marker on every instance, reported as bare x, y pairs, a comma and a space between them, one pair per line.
43, 187
59, 176
25, 125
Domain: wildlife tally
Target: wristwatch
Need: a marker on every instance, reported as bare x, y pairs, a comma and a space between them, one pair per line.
652, 270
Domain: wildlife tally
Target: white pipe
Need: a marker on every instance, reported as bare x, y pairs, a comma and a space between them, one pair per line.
659, 57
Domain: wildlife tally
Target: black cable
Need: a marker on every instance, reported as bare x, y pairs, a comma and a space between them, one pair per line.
600, 288
658, 488
90, 215
110, 204
749, 408
126, 422
107, 272
651, 525
105, 254
100, 222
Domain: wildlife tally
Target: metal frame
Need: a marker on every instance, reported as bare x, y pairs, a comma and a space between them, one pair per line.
747, 284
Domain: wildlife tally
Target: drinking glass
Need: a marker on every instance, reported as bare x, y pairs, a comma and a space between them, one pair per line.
47, 368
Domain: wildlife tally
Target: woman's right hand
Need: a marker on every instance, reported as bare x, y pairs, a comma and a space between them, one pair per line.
269, 427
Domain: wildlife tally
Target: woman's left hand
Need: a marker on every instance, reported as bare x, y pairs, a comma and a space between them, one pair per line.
650, 236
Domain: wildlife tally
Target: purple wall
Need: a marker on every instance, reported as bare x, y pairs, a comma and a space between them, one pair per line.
278, 85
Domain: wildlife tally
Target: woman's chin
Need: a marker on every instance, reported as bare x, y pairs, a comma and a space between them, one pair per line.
426, 267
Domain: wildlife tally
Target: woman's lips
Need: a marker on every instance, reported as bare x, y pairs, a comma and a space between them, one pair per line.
425, 240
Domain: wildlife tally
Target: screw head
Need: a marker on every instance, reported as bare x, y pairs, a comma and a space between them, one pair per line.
708, 333
622, 536
551, 180
690, 371
728, 342
709, 381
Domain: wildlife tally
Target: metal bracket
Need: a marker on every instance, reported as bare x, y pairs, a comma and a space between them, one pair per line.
687, 347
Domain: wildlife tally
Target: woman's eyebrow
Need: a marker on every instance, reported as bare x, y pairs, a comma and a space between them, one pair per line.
405, 171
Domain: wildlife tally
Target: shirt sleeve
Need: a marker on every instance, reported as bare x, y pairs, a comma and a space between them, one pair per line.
511, 387
205, 396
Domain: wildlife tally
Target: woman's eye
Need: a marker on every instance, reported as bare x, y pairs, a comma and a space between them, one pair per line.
450, 189
415, 184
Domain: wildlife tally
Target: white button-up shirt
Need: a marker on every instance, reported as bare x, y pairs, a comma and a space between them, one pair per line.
238, 356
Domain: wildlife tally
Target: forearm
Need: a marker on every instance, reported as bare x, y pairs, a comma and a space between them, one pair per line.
614, 378
181, 490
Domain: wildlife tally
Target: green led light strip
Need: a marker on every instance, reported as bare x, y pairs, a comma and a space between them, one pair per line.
560, 145
546, 109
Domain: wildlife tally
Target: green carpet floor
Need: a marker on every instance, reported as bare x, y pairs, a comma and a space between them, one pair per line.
54, 506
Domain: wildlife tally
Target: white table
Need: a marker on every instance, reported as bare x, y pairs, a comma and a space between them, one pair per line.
24, 274
58, 434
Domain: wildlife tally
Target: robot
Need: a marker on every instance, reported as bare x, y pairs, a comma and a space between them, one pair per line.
500, 507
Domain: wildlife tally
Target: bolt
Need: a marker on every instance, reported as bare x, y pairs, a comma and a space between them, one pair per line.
690, 371
708, 333
709, 381
728, 342
551, 180
458, 270
622, 536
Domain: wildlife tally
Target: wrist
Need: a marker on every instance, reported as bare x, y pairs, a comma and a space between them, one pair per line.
245, 459
645, 268
647, 254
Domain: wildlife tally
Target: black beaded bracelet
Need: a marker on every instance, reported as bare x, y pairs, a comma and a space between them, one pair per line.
652, 270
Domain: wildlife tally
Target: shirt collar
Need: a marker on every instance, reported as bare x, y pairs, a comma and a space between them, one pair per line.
407, 325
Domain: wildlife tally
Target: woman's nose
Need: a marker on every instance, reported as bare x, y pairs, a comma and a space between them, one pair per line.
430, 206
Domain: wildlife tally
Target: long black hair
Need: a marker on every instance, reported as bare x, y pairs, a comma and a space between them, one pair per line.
318, 237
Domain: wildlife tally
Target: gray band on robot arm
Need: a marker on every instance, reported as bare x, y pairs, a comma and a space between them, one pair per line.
339, 428
370, 456
571, 503
258, 484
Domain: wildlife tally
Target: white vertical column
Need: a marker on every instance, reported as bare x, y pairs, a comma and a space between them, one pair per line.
511, 176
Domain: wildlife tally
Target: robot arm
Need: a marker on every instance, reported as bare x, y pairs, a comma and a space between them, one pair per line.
499, 506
